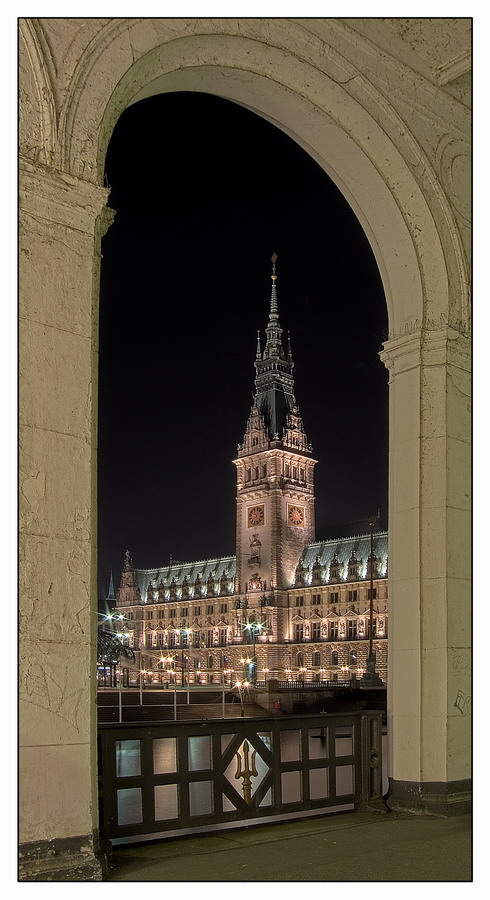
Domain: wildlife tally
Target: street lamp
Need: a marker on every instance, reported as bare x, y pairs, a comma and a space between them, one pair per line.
371, 677
183, 631
254, 628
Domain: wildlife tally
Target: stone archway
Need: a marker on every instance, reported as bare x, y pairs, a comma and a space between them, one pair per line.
326, 85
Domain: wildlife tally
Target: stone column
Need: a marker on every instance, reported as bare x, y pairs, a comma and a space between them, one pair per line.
429, 565
62, 220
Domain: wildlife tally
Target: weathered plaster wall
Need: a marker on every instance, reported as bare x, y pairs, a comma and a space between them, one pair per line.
381, 105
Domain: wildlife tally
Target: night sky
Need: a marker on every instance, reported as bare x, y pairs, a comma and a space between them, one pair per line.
205, 191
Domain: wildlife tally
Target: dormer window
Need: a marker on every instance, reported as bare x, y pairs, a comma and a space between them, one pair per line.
334, 569
299, 578
353, 567
317, 572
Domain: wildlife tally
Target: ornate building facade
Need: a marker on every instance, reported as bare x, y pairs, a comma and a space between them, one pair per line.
284, 607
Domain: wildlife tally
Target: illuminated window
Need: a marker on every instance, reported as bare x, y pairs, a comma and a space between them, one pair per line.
352, 629
315, 633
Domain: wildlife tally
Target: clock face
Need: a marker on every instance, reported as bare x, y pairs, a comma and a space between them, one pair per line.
255, 516
296, 515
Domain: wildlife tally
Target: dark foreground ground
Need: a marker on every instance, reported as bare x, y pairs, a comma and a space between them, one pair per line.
355, 846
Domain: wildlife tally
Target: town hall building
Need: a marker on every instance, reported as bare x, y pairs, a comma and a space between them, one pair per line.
285, 607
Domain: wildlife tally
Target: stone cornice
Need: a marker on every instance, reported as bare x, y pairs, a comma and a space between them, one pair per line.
61, 198
427, 347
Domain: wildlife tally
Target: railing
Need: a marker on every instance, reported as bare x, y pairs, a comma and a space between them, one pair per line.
162, 780
311, 685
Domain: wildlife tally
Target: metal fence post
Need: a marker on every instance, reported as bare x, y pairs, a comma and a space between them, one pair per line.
371, 762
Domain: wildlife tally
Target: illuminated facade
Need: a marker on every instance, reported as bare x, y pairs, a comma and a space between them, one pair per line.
284, 607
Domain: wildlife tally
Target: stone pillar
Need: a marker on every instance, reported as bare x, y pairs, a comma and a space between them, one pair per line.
62, 220
429, 564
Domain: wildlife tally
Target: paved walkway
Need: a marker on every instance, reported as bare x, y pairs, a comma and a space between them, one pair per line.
354, 846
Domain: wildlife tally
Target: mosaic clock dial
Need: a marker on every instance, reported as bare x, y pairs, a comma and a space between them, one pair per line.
296, 515
255, 516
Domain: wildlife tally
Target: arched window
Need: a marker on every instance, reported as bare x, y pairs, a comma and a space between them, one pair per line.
300, 660
210, 662
353, 658
316, 658
335, 658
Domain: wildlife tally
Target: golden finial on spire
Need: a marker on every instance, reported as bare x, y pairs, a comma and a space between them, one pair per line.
273, 260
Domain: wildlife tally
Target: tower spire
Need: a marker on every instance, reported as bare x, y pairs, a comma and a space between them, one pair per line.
111, 595
273, 310
273, 346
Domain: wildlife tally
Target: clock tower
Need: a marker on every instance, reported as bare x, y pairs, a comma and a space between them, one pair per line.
275, 497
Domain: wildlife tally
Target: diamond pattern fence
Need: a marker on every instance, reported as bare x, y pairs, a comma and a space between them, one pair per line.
181, 778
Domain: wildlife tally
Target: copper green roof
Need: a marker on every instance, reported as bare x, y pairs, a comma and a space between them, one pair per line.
190, 570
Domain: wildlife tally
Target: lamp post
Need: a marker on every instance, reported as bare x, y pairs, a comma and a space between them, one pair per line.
182, 631
254, 628
371, 677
